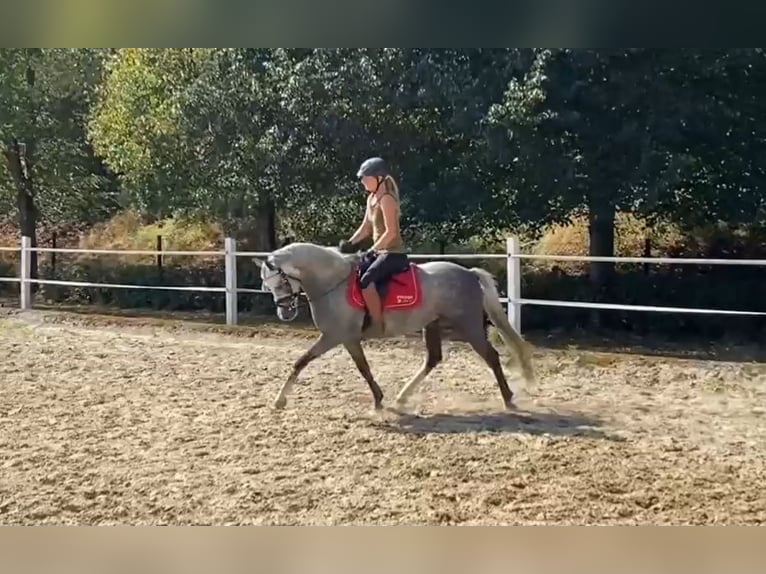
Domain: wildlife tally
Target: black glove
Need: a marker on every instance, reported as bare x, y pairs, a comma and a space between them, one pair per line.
346, 246
368, 255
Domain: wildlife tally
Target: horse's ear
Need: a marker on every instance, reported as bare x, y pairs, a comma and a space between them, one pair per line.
267, 262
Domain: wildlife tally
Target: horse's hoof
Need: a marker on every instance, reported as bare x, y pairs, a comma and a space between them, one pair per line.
280, 403
509, 406
378, 405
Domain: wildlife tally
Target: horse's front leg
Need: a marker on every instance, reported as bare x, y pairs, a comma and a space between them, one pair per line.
319, 348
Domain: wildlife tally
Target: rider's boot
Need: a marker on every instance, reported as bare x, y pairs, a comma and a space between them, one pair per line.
371, 297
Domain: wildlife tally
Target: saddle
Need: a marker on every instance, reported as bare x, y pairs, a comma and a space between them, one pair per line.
398, 291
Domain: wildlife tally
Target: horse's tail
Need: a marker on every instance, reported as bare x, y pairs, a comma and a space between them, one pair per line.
496, 313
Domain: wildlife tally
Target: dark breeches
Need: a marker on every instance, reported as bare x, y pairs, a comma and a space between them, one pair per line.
376, 268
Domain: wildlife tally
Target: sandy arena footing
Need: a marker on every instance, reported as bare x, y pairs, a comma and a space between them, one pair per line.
132, 424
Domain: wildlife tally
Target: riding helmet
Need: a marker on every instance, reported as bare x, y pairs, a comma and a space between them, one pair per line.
374, 166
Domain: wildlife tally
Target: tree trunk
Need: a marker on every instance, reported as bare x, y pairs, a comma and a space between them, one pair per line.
256, 232
601, 244
18, 157
271, 216
28, 226
262, 233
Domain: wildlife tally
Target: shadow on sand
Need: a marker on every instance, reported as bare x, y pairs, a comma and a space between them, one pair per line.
519, 421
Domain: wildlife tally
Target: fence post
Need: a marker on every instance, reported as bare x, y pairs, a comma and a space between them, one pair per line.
230, 260
26, 273
159, 257
54, 245
514, 282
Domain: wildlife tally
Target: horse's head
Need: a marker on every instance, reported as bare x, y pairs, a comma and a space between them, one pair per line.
285, 272
283, 286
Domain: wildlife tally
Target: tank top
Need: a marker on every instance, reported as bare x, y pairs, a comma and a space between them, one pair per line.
379, 223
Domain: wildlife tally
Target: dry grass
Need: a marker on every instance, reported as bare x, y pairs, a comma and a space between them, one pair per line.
630, 235
127, 231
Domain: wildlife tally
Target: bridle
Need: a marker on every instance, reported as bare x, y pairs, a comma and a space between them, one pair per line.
292, 297
292, 300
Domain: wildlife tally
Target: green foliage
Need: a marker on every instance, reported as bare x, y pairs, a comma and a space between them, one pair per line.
666, 133
134, 124
423, 110
643, 130
45, 96
242, 133
264, 144
8, 269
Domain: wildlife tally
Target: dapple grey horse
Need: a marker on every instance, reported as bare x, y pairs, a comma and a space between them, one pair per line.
454, 299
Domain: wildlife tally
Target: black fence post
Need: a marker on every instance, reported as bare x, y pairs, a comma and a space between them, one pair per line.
53, 255
159, 257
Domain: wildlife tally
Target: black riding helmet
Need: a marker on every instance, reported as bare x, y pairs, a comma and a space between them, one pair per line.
374, 167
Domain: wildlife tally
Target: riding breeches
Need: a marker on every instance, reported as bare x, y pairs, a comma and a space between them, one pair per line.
377, 267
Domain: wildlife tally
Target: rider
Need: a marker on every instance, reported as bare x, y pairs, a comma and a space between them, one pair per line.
387, 255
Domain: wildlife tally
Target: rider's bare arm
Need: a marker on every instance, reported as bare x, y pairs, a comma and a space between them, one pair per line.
388, 207
364, 230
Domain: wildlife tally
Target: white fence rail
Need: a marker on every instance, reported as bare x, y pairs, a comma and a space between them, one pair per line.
513, 258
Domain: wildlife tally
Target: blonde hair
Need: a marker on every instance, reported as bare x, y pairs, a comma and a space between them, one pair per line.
391, 186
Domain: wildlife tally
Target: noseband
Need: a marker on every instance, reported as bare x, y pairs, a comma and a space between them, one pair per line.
292, 297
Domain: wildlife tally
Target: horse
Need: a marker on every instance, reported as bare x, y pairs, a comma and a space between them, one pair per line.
438, 298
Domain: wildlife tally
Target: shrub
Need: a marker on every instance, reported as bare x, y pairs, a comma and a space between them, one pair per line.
8, 269
143, 274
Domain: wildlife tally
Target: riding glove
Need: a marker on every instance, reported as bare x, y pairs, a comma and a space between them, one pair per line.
346, 246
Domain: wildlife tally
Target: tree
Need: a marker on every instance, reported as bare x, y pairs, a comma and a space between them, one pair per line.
442, 98
423, 111
712, 132
641, 130
44, 98
135, 125
198, 132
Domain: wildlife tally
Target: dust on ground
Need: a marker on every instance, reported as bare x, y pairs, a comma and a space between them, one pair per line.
124, 423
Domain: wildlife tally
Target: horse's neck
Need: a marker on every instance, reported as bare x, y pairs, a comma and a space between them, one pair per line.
322, 271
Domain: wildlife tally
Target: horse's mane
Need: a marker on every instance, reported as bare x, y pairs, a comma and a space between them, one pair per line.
303, 253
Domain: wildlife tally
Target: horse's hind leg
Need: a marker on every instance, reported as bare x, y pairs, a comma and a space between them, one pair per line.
433, 339
357, 353
478, 340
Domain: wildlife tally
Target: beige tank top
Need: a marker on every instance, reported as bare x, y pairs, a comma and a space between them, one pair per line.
375, 213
